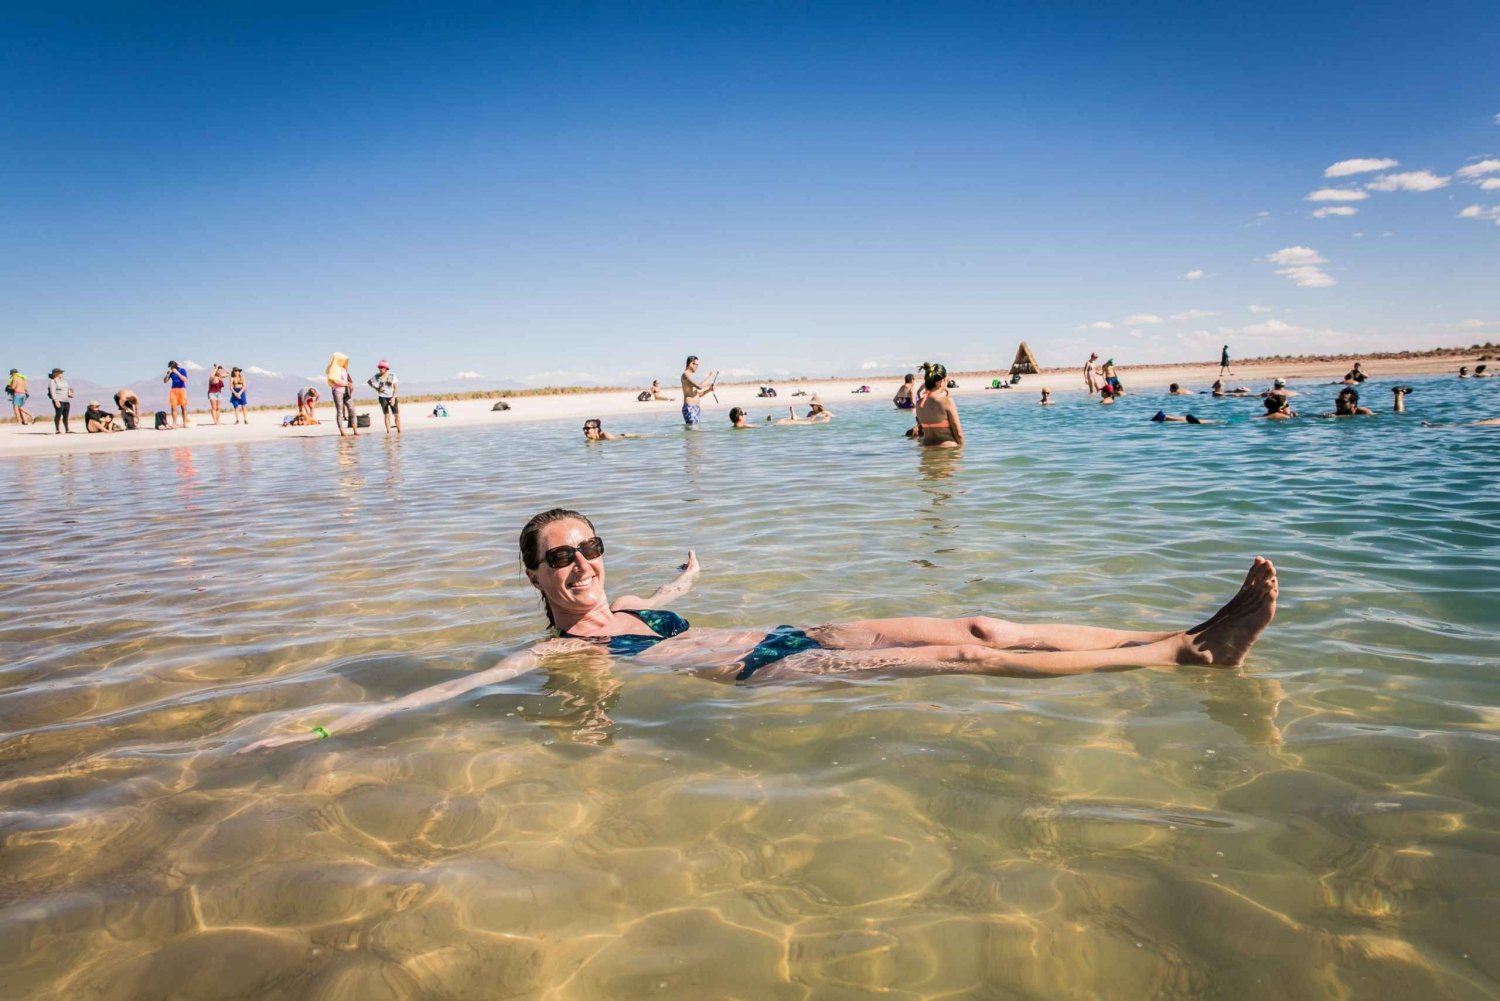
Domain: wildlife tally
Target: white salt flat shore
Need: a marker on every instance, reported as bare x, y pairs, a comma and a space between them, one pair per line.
38, 439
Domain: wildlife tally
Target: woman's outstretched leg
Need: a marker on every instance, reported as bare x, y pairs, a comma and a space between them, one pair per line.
992, 632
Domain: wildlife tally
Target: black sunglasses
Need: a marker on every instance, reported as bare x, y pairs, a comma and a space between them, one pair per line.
559, 557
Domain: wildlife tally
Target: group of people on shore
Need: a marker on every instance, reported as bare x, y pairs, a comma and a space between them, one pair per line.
127, 414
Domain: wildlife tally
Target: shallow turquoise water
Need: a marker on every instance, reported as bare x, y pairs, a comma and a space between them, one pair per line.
1320, 824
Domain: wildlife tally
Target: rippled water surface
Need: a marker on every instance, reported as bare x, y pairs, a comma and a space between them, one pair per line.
1322, 824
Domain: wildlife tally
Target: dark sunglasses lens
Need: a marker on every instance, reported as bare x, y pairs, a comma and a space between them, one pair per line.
562, 556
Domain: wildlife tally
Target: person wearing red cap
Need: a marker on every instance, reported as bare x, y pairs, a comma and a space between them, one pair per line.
384, 384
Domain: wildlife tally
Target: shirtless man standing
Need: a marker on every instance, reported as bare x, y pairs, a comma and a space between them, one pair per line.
692, 392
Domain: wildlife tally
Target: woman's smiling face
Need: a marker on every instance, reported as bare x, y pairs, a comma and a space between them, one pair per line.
578, 587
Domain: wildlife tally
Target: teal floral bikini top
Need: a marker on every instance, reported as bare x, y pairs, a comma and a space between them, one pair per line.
664, 624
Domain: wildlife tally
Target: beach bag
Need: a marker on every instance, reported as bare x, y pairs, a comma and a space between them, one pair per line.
362, 420
502, 405
642, 397
161, 420
129, 419
952, 383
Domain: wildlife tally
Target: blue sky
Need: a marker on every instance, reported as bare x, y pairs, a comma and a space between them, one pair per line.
565, 192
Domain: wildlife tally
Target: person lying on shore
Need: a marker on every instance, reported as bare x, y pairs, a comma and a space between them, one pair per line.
1347, 405
816, 414
1219, 390
739, 421
1176, 390
1279, 408
563, 558
1162, 417
96, 420
593, 430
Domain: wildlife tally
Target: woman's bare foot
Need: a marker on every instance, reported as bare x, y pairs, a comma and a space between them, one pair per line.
1255, 579
1226, 639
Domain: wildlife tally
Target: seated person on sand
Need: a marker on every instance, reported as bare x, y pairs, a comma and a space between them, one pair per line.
1347, 405
96, 420
1399, 392
307, 402
656, 393
563, 557
904, 399
739, 421
130, 409
1176, 390
816, 414
593, 430
1046, 400
439, 411
1278, 388
1162, 417
1279, 408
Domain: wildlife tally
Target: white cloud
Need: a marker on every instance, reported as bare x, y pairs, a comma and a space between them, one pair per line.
1136, 333
870, 366
1270, 327
1358, 166
1308, 276
1481, 212
1296, 256
467, 375
1140, 319
1479, 169
1194, 274
1387, 233
1260, 309
1192, 314
1342, 210
1412, 180
1098, 325
1359, 236
1475, 324
191, 366
1490, 184
1336, 195
257, 370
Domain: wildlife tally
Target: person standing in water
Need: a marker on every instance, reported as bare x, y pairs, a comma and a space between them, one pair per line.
341, 387
937, 414
693, 392
904, 398
176, 383
384, 383
1090, 377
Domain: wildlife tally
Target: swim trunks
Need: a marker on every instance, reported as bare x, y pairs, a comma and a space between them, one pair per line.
20, 399
177, 398
780, 643
691, 414
389, 405
664, 624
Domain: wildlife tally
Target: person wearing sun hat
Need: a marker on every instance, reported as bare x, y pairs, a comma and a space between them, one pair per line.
1278, 388
384, 383
16, 388
61, 395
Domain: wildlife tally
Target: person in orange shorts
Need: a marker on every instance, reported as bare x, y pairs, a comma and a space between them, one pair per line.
176, 379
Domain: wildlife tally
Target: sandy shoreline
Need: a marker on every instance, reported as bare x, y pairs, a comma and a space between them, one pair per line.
39, 439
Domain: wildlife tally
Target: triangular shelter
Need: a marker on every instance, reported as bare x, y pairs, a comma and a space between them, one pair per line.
1025, 363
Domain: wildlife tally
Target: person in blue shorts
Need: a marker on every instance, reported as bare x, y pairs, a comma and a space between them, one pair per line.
693, 392
563, 557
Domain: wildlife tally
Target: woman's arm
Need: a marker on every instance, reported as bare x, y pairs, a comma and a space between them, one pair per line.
665, 594
953, 425
509, 667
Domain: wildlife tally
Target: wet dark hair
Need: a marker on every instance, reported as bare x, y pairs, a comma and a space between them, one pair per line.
735, 413
911, 377
171, 364
934, 375
1275, 402
1173, 388
691, 359
531, 537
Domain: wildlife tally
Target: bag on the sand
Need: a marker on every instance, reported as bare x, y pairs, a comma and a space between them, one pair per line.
362, 420
129, 420
502, 405
952, 383
161, 420
643, 396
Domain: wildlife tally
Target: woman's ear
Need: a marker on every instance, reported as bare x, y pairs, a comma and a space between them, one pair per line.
531, 576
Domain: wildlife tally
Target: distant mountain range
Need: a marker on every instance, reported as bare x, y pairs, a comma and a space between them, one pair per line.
264, 389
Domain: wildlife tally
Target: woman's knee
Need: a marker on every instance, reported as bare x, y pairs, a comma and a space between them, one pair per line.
991, 631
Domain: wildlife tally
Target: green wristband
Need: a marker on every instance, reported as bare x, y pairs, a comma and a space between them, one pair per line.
321, 732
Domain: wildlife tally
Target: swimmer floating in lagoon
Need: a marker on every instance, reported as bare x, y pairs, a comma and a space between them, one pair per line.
1162, 417
593, 430
816, 414
563, 558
